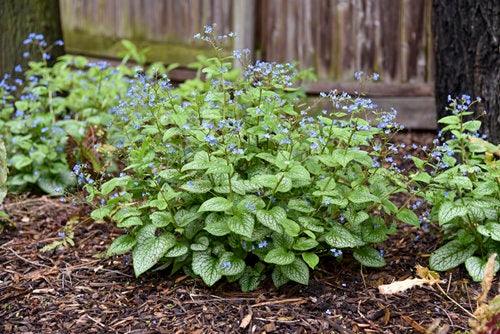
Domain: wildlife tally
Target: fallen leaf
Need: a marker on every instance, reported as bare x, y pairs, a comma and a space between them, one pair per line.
400, 286
489, 271
270, 327
426, 277
413, 324
246, 320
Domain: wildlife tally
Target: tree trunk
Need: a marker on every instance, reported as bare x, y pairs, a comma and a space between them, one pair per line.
467, 57
19, 18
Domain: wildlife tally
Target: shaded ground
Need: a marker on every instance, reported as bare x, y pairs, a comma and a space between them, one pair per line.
71, 289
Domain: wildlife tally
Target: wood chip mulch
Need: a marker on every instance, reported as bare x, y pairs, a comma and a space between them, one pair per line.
73, 290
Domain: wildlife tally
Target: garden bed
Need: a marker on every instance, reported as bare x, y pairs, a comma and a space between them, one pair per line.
74, 290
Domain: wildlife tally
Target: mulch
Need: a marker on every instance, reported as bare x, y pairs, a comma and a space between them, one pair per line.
75, 289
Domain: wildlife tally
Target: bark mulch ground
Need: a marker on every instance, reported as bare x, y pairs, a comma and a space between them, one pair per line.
72, 289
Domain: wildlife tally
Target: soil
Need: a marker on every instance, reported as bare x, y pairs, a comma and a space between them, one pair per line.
74, 289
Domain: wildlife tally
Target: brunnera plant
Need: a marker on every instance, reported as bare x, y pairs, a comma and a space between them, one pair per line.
231, 177
464, 192
43, 107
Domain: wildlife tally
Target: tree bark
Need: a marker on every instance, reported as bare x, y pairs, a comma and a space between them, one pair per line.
467, 57
19, 18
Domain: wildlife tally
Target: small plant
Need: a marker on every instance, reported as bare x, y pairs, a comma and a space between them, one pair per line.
464, 192
231, 177
66, 236
45, 105
3, 184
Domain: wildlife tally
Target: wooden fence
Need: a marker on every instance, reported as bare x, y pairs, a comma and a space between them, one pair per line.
335, 37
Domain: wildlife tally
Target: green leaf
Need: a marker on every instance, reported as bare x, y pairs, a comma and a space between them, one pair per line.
298, 172
328, 160
184, 217
220, 168
21, 105
419, 163
56, 184
201, 161
197, 187
121, 245
169, 174
449, 211
369, 257
101, 212
207, 267
150, 249
178, 250
491, 230
475, 267
267, 157
360, 196
130, 221
273, 218
451, 255
485, 189
409, 217
216, 204
375, 231
361, 157
279, 256
242, 224
389, 207
250, 279
3, 171
285, 185
110, 185
20, 161
450, 120
300, 205
201, 244
278, 277
343, 157
462, 182
160, 218
311, 259
305, 244
422, 177
291, 228
296, 271
360, 217
472, 126
216, 224
250, 203
231, 265
340, 237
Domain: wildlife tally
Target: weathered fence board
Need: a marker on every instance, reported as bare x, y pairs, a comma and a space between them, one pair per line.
339, 37
335, 37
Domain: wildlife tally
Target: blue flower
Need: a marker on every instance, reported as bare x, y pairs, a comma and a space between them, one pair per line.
285, 141
225, 264
262, 244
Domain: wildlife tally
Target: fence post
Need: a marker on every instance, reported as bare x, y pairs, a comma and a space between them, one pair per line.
244, 26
